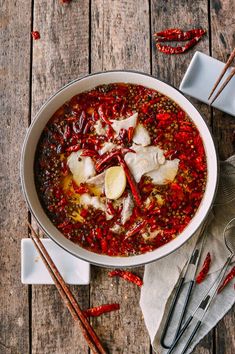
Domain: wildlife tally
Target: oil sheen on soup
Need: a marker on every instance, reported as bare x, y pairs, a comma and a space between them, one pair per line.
120, 169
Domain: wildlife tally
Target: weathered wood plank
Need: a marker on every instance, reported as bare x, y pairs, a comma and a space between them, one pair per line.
171, 68
223, 42
59, 56
119, 40
14, 68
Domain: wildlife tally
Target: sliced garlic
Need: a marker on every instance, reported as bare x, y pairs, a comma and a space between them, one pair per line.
115, 182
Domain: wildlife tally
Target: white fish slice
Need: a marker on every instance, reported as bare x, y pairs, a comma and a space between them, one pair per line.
165, 173
141, 136
145, 159
82, 167
131, 121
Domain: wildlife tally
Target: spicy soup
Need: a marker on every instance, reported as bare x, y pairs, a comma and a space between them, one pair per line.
120, 169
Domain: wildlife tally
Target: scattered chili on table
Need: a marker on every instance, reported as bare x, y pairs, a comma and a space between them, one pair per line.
227, 279
127, 276
176, 34
205, 269
99, 310
35, 35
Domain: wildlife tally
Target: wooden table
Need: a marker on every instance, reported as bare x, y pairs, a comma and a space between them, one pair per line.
83, 37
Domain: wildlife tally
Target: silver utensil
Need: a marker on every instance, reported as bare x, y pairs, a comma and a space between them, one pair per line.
202, 308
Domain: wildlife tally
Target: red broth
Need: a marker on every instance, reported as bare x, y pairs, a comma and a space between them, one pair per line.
166, 209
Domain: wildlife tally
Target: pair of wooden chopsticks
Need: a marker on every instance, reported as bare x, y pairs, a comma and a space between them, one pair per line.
232, 73
68, 298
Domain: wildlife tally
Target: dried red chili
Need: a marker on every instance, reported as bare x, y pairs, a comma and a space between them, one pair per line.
135, 229
131, 181
99, 310
167, 49
178, 35
127, 276
130, 134
227, 279
35, 35
169, 32
205, 269
89, 152
73, 148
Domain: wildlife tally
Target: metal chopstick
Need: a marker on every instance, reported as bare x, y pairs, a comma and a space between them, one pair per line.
201, 310
189, 274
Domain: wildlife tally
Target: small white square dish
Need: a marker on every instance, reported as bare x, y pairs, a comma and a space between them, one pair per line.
33, 271
200, 77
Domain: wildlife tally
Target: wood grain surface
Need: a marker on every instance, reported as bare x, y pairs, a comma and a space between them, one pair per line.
61, 55
81, 37
15, 72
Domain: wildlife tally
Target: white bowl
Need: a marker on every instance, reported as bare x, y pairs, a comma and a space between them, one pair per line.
36, 128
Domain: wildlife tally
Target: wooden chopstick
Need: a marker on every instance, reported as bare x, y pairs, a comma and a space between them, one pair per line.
227, 65
224, 84
68, 298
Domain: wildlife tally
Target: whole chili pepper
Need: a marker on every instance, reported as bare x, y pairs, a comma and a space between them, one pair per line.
73, 148
99, 310
89, 152
103, 116
227, 279
82, 121
181, 35
167, 49
130, 134
127, 276
135, 229
108, 156
110, 208
35, 35
168, 32
131, 181
205, 269
67, 132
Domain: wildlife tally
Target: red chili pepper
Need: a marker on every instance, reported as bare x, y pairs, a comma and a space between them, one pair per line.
135, 229
99, 310
110, 208
130, 134
89, 152
108, 156
35, 35
227, 279
180, 35
73, 148
67, 133
110, 132
131, 181
103, 116
127, 276
79, 189
168, 32
205, 269
167, 49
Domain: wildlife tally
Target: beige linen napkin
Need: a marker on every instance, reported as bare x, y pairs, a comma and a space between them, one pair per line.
160, 277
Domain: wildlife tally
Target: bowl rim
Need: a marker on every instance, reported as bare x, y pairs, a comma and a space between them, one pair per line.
40, 224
